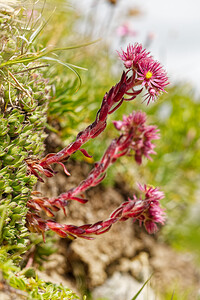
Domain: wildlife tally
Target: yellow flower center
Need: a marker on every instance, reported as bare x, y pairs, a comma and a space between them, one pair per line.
148, 75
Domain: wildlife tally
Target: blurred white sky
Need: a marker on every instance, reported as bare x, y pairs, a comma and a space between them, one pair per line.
175, 25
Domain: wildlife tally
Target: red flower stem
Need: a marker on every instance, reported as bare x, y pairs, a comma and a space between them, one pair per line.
115, 95
146, 211
98, 172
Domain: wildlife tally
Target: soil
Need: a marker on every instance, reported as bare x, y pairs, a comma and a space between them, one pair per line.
126, 249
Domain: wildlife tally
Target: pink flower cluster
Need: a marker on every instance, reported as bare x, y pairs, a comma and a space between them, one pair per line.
143, 134
154, 213
146, 211
149, 72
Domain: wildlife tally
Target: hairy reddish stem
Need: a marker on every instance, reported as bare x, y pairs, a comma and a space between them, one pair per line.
115, 95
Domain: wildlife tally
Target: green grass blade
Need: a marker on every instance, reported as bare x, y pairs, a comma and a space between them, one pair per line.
39, 29
172, 296
41, 54
75, 46
36, 33
136, 295
77, 67
66, 65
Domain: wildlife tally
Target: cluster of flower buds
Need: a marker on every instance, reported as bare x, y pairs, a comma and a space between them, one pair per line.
143, 134
142, 72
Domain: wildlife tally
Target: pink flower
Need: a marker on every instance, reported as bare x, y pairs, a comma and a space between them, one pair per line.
142, 134
153, 77
151, 193
147, 211
133, 56
129, 122
154, 213
150, 227
125, 30
150, 73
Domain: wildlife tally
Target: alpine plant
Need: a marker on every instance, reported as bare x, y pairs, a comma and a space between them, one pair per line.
135, 138
24, 97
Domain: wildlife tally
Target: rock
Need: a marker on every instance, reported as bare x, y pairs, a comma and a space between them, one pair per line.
122, 286
139, 266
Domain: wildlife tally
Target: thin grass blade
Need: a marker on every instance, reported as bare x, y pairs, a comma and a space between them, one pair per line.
66, 65
136, 295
